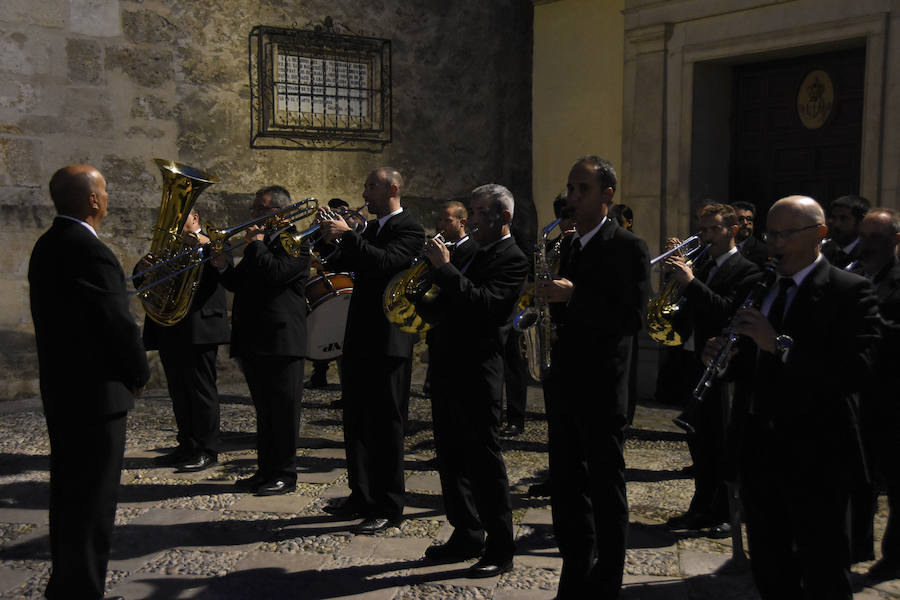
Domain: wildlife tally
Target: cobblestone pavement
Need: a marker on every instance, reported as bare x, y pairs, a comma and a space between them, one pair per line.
191, 536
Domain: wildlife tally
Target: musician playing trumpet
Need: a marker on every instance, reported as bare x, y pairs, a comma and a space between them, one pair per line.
472, 317
710, 291
269, 338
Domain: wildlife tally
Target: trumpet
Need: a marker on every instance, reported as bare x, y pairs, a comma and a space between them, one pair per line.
294, 241
718, 364
662, 309
275, 224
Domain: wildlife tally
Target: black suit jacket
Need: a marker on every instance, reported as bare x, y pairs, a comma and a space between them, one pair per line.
269, 311
375, 258
886, 379
611, 280
206, 321
755, 250
836, 255
710, 307
810, 400
474, 309
90, 354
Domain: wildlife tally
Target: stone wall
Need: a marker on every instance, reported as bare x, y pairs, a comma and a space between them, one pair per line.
116, 83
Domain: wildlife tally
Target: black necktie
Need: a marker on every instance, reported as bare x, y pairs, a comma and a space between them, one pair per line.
574, 253
776, 311
372, 230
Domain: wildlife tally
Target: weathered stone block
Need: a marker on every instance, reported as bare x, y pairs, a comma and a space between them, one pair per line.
150, 107
148, 27
87, 114
26, 54
20, 161
47, 13
18, 95
32, 124
85, 60
146, 67
206, 68
95, 17
127, 173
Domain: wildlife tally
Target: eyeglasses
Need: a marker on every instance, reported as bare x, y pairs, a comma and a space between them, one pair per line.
745, 219
771, 236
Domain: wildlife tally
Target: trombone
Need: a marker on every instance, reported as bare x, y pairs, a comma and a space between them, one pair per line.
275, 223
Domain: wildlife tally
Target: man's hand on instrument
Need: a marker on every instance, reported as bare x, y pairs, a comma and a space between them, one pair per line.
219, 261
254, 233
679, 269
714, 347
334, 228
437, 253
756, 326
554, 290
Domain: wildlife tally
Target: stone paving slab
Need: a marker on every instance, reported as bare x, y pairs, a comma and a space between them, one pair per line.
429, 481
38, 516
451, 574
644, 587
287, 504
692, 564
13, 578
329, 476
335, 453
161, 516
156, 585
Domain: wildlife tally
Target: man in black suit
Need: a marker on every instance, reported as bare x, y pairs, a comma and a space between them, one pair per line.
472, 317
750, 246
879, 237
377, 355
598, 303
844, 216
188, 351
268, 336
91, 363
711, 294
807, 356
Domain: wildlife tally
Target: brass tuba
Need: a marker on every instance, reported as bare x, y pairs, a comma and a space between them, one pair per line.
663, 310
169, 301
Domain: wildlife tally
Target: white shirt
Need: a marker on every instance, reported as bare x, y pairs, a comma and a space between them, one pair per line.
587, 237
86, 225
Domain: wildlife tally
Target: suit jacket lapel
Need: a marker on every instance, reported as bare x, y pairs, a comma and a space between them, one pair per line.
808, 295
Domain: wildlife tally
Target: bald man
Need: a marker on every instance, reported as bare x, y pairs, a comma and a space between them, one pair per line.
91, 363
807, 355
377, 355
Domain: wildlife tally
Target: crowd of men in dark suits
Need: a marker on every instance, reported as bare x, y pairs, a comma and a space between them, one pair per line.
803, 423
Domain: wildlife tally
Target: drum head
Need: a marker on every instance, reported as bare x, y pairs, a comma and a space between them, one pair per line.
325, 328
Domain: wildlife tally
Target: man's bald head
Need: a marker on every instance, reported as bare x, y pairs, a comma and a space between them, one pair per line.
391, 176
804, 207
79, 191
71, 187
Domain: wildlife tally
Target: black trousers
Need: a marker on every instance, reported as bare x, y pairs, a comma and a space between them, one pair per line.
374, 417
276, 388
191, 377
474, 483
707, 447
515, 373
796, 524
85, 466
879, 423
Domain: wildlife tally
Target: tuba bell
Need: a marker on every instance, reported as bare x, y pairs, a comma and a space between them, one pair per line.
169, 301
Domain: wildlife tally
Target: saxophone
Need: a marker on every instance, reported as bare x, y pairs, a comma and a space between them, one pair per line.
533, 320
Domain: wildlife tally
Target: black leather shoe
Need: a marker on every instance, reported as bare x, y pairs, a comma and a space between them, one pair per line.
511, 431
453, 552
276, 487
720, 531
489, 567
346, 509
198, 462
176, 456
249, 484
690, 522
539, 490
373, 525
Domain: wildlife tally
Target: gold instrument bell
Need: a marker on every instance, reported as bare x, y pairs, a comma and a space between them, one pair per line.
662, 311
169, 301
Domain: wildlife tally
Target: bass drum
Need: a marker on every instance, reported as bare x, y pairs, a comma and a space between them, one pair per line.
328, 297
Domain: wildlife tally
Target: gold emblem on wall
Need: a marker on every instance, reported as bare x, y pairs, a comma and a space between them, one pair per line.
815, 100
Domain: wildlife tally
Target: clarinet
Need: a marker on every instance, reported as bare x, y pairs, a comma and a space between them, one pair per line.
718, 363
